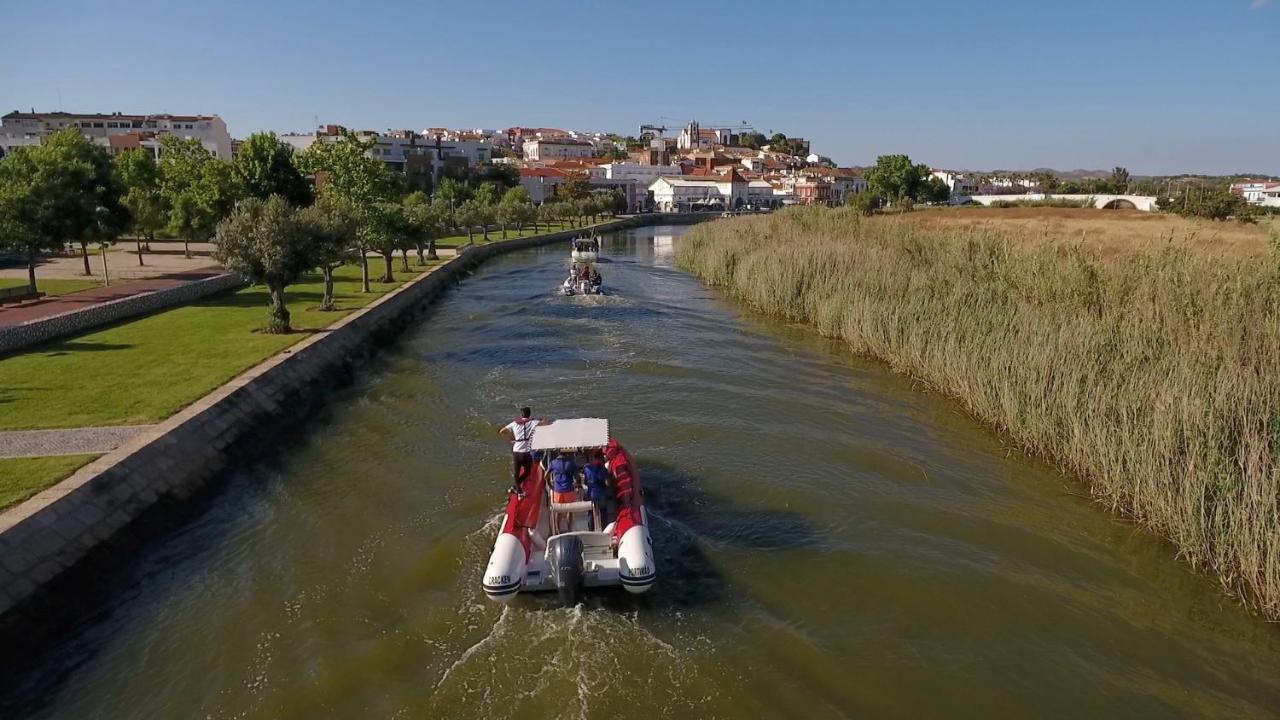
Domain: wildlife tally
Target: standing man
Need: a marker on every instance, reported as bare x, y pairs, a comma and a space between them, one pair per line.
520, 434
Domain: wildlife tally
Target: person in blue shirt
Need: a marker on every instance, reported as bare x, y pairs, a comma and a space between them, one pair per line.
596, 476
563, 487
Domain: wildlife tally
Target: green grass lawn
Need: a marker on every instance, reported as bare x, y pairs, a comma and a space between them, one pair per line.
20, 478
55, 286
454, 241
144, 370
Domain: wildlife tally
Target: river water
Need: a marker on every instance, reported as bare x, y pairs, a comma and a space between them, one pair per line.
832, 542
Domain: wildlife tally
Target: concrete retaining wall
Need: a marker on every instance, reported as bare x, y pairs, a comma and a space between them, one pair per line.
48, 535
69, 323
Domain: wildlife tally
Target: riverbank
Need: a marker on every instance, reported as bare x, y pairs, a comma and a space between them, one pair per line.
44, 538
1150, 373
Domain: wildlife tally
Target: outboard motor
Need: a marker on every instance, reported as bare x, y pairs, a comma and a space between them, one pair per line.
566, 568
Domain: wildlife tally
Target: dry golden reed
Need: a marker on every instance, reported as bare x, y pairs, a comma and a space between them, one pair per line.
1154, 375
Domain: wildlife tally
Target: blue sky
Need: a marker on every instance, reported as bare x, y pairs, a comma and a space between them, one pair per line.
1171, 86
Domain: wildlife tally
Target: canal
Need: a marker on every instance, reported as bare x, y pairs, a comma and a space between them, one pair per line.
832, 542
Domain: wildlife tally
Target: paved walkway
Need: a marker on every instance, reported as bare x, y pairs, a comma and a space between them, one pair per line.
73, 441
48, 306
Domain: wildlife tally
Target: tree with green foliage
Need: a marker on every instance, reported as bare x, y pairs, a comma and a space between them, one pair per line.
1211, 203
344, 169
547, 214
1046, 181
266, 242
487, 194
896, 179
199, 189
503, 174
63, 190
514, 209
387, 227
426, 219
1119, 181
865, 203
468, 215
933, 190
753, 140
453, 192
264, 165
331, 225
576, 187
141, 177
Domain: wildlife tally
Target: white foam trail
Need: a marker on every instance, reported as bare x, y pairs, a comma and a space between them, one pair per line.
498, 628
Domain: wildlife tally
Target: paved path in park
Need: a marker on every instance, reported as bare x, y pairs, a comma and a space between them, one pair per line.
72, 441
49, 306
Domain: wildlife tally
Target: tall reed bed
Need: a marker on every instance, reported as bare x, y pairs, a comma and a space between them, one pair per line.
1153, 375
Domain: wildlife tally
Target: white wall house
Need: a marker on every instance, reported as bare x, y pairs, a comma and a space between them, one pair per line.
1265, 194
557, 149
19, 128
696, 192
958, 183
642, 174
396, 148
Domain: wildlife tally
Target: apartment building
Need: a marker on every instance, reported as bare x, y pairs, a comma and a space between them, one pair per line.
116, 131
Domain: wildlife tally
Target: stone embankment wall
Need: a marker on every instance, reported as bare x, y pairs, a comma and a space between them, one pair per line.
50, 534
17, 337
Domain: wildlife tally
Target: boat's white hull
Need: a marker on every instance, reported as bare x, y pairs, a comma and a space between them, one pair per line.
584, 256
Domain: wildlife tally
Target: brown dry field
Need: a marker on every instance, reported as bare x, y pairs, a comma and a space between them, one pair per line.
1113, 231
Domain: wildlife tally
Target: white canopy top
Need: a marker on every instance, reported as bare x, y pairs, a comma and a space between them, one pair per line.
572, 433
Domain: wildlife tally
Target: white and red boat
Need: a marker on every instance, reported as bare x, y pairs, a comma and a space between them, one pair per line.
545, 545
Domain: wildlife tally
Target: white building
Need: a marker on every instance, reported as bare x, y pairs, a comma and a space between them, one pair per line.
116, 130
1264, 194
700, 192
405, 151
644, 175
562, 149
957, 183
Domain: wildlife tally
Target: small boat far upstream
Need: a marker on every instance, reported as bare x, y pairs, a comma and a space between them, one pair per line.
585, 250
580, 521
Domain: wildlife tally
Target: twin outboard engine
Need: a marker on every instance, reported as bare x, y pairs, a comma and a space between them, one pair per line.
566, 568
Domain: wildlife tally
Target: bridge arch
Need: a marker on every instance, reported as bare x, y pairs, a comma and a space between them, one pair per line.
1120, 204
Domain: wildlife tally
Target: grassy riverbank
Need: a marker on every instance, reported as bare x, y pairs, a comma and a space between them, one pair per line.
144, 370
1151, 373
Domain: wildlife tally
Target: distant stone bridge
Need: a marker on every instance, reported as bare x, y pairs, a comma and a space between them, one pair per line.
1146, 203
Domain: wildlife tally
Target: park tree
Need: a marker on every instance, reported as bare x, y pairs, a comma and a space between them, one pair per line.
1119, 180
425, 220
753, 140
141, 177
264, 166
1046, 181
24, 221
199, 189
501, 174
387, 229
468, 215
453, 192
344, 169
576, 187
63, 190
864, 203
266, 242
488, 194
896, 179
331, 225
